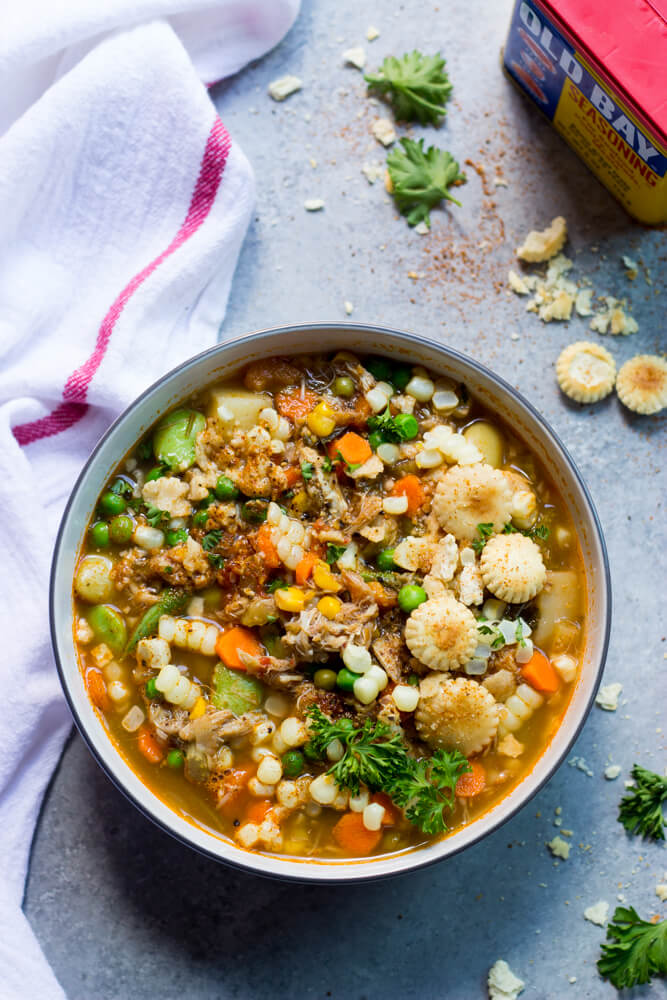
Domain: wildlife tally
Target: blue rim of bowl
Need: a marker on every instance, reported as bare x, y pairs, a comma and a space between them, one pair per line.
357, 876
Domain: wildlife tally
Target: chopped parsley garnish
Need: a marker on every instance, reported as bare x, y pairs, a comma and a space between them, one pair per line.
176, 537
211, 539
155, 516
484, 531
402, 427
121, 488
421, 179
307, 469
637, 952
327, 465
376, 756
334, 552
418, 86
216, 560
276, 585
641, 811
349, 466
539, 531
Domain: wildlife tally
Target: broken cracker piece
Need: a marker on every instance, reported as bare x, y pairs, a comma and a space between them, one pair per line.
543, 245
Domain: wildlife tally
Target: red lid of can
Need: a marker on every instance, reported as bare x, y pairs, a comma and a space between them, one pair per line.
629, 39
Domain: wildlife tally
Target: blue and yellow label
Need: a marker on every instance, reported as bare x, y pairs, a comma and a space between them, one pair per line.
589, 115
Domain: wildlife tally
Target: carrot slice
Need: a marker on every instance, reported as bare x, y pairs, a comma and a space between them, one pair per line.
233, 788
351, 834
296, 404
472, 782
293, 475
256, 811
149, 746
353, 447
305, 567
264, 545
235, 640
97, 690
410, 487
539, 673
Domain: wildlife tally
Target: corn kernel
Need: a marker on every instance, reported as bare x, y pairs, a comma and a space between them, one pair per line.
324, 579
329, 606
198, 708
300, 502
290, 599
322, 420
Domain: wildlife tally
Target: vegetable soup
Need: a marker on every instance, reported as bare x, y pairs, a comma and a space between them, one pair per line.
330, 608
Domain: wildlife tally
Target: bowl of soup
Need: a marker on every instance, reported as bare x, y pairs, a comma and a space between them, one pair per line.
330, 602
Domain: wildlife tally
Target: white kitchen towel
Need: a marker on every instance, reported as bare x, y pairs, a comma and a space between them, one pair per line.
123, 205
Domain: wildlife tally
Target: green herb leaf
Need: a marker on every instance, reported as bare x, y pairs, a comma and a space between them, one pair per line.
334, 552
211, 539
327, 465
421, 179
539, 531
276, 585
641, 811
373, 754
307, 469
393, 429
417, 85
176, 537
426, 789
155, 516
216, 560
121, 488
638, 950
484, 531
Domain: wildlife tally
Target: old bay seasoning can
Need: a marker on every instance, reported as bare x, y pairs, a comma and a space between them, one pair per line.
598, 70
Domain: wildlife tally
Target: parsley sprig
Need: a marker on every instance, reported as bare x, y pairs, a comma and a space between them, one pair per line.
155, 516
211, 539
427, 789
417, 86
637, 952
334, 552
372, 753
484, 531
376, 756
421, 179
641, 811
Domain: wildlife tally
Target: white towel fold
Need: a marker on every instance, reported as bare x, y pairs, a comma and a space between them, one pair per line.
123, 205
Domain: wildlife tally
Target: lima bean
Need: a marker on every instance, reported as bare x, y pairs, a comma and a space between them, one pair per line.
489, 441
109, 627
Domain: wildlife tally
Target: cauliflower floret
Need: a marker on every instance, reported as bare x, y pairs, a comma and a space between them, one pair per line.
471, 587
153, 653
168, 493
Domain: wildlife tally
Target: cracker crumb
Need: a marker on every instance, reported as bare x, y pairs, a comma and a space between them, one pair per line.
349, 308
502, 983
355, 57
284, 86
597, 913
373, 171
313, 204
612, 772
384, 131
607, 697
372, 33
559, 848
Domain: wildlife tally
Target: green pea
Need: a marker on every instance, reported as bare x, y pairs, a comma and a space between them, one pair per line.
151, 689
175, 437
325, 679
212, 598
112, 503
225, 489
109, 627
254, 511
293, 763
375, 439
410, 596
400, 376
100, 534
406, 426
413, 680
385, 560
156, 473
121, 528
345, 679
343, 386
346, 724
175, 537
175, 759
379, 368
200, 518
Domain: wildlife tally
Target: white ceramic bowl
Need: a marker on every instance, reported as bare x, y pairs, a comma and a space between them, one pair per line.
220, 362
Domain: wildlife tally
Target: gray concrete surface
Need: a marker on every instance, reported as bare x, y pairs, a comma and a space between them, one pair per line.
121, 910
